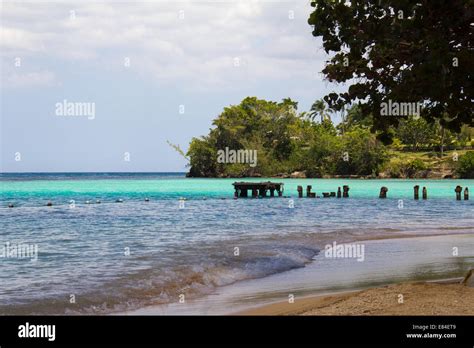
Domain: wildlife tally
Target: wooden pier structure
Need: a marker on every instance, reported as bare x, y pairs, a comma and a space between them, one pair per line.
258, 189
268, 188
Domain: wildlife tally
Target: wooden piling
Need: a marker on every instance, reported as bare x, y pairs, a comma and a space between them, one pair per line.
339, 194
345, 191
466, 194
416, 190
383, 192
300, 191
458, 191
308, 191
425, 193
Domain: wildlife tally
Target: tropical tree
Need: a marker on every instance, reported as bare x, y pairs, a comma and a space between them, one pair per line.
466, 165
404, 51
320, 109
415, 132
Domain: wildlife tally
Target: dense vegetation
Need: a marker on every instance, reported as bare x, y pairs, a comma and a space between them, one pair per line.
404, 51
309, 144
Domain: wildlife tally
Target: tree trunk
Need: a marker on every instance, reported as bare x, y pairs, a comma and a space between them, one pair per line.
442, 141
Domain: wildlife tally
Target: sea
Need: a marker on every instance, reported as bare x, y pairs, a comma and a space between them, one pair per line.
115, 242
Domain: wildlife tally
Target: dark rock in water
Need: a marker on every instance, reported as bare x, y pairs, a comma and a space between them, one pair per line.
469, 279
49, 204
333, 194
326, 194
10, 205
147, 199
97, 201
119, 200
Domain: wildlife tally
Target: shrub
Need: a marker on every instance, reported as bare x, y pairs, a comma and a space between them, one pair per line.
465, 167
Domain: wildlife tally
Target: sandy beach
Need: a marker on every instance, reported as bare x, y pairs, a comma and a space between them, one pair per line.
435, 298
429, 283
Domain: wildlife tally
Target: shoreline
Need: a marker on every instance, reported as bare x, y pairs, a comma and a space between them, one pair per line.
437, 297
268, 295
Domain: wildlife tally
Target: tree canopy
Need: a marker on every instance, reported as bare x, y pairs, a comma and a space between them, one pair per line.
400, 50
286, 141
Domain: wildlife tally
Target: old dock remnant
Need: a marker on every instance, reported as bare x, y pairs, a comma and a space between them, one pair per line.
300, 191
383, 192
416, 191
345, 191
259, 189
458, 191
425, 193
310, 194
466, 194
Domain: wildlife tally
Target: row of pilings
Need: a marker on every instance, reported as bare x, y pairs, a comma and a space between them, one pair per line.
424, 192
344, 193
383, 192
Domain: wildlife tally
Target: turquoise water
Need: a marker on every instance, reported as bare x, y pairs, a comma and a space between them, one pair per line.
28, 188
119, 256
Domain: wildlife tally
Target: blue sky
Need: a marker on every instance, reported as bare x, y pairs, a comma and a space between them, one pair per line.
203, 55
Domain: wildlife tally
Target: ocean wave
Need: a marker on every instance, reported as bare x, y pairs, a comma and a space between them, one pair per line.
165, 285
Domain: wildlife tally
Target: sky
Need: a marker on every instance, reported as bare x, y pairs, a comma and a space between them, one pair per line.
151, 71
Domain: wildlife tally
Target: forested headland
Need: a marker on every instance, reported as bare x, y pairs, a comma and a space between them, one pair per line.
292, 143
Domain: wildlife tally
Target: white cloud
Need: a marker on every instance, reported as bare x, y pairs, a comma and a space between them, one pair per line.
199, 47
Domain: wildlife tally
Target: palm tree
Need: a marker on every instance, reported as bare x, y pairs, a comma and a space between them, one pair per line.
320, 109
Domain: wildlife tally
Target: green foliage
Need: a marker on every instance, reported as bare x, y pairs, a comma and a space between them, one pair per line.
366, 154
404, 51
407, 169
202, 158
465, 166
415, 132
464, 138
285, 142
355, 117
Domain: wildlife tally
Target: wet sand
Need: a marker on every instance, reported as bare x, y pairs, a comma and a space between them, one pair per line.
348, 287
397, 299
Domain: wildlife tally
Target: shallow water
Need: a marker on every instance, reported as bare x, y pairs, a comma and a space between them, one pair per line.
386, 261
120, 256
